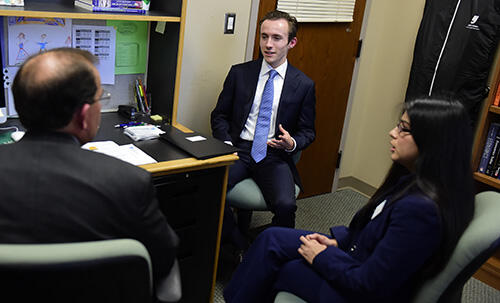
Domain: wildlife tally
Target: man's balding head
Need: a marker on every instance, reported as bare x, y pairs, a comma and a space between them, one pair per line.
51, 87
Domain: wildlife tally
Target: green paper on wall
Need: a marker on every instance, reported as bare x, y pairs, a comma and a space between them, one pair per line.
131, 46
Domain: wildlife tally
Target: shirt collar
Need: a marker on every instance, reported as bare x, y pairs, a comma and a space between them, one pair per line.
280, 69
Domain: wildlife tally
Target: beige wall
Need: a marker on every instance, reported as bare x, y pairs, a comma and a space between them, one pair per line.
380, 86
208, 54
391, 27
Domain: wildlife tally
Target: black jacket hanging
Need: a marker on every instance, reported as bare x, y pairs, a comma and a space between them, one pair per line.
454, 50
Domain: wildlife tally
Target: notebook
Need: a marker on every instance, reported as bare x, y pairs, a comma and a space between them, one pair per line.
196, 144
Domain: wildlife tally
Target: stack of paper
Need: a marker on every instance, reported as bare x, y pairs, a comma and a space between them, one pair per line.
12, 2
128, 153
143, 132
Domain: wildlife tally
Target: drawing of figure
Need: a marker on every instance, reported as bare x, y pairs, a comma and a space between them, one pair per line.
22, 54
42, 43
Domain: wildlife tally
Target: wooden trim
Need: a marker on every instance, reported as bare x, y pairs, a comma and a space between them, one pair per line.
487, 180
489, 273
264, 7
179, 62
181, 127
495, 109
187, 164
75, 13
219, 232
358, 185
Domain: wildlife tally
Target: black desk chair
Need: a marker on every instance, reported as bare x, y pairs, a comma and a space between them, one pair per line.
98, 271
479, 242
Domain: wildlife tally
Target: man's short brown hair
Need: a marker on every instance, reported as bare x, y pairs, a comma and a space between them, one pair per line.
293, 25
46, 96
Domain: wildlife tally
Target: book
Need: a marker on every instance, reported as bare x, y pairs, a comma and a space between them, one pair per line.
12, 2
496, 101
492, 162
494, 154
488, 146
496, 168
91, 7
142, 4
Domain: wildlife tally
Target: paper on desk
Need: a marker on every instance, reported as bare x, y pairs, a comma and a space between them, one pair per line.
128, 153
196, 138
143, 132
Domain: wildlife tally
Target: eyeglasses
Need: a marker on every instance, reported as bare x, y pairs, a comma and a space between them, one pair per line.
105, 95
403, 127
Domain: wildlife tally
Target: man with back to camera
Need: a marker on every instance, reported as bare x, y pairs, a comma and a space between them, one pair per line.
53, 190
268, 120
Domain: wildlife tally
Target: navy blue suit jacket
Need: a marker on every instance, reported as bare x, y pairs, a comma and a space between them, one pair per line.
383, 257
296, 110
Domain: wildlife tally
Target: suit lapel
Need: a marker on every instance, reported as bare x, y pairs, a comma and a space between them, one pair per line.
252, 78
292, 82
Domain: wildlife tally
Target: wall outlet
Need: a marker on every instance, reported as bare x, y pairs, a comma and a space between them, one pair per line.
229, 24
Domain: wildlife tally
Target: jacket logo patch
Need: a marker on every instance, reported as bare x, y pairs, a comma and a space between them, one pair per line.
472, 24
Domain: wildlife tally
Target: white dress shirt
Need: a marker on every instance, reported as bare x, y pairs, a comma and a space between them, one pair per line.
249, 130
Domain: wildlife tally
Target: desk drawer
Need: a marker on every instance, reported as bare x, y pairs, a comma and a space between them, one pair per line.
187, 244
191, 203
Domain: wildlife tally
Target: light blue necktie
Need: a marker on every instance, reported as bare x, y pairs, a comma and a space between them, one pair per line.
259, 146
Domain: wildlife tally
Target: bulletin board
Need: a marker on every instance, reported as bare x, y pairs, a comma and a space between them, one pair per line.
28, 36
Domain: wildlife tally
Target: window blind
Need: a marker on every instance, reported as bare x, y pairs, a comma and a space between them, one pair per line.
319, 10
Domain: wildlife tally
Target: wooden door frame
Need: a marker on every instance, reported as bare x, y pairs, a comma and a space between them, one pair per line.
259, 8
350, 100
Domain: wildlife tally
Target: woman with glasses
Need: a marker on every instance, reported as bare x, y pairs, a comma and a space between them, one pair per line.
402, 236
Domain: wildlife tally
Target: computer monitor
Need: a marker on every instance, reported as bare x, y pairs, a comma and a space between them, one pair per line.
3, 103
3, 109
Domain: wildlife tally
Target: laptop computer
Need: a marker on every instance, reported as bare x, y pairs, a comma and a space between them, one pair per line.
196, 144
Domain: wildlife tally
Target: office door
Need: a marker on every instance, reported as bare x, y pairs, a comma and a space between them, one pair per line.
326, 52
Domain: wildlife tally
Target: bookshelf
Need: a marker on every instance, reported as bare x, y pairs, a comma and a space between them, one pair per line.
489, 114
165, 49
489, 273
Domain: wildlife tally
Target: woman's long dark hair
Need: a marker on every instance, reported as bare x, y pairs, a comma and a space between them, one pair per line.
443, 173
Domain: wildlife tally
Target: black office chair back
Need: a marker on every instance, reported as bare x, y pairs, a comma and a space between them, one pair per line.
101, 278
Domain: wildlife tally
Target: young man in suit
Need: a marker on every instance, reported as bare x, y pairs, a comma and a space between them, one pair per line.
267, 109
53, 191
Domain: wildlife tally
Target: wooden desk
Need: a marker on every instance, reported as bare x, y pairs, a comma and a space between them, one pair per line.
191, 194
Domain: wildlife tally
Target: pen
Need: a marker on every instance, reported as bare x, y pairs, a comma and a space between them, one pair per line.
132, 123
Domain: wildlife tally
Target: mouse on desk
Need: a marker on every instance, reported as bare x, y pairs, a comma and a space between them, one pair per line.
17, 135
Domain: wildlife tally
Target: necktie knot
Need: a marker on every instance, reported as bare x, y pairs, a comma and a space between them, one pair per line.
272, 74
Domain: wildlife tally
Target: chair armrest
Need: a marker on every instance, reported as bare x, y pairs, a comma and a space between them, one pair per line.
169, 289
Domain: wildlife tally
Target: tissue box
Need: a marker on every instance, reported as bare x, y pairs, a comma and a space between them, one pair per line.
143, 132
